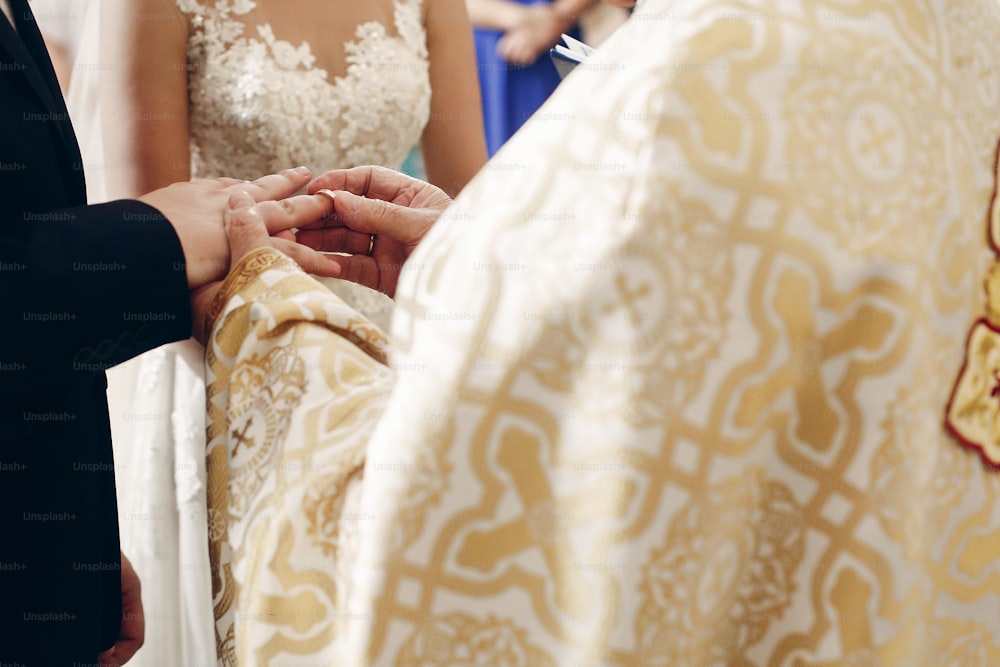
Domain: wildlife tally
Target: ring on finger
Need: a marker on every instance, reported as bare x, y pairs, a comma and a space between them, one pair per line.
371, 244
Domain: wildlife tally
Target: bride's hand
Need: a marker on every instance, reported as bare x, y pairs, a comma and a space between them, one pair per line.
246, 231
381, 216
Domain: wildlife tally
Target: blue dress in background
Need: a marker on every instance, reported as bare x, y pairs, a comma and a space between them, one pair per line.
510, 93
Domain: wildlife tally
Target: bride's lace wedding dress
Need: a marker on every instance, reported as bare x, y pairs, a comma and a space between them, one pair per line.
257, 104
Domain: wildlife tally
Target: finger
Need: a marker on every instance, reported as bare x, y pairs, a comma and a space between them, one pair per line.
311, 261
338, 239
388, 267
124, 649
133, 623
287, 214
133, 628
326, 222
229, 182
507, 48
245, 226
374, 182
356, 180
337, 179
359, 269
374, 216
108, 659
503, 49
331, 221
517, 54
279, 186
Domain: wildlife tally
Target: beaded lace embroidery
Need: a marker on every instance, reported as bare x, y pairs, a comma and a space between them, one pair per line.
259, 104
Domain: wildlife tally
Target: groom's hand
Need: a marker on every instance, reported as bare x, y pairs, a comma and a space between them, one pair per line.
246, 228
196, 211
133, 624
381, 216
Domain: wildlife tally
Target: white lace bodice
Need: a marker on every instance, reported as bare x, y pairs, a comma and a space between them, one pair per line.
259, 104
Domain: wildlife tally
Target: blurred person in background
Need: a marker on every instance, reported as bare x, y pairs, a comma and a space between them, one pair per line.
516, 76
195, 88
71, 29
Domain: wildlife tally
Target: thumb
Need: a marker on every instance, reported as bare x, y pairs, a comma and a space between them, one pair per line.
376, 216
244, 226
503, 47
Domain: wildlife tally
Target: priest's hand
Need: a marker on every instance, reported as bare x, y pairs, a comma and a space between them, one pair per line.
380, 217
247, 229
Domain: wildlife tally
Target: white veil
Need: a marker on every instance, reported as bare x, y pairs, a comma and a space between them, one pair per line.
83, 99
75, 26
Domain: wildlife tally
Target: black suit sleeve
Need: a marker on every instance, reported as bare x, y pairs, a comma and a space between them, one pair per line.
87, 288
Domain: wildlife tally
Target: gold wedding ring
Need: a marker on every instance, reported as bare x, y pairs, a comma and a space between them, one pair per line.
332, 196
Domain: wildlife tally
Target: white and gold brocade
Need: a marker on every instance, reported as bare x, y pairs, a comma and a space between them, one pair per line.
670, 377
296, 381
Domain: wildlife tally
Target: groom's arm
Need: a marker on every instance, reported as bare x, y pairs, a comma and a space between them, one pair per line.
87, 288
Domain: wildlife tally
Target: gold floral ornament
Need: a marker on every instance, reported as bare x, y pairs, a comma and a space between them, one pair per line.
708, 599
973, 414
461, 639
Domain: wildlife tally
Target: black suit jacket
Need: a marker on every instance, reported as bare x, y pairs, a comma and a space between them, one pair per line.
82, 288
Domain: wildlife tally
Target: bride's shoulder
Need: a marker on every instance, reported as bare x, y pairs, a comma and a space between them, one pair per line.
148, 21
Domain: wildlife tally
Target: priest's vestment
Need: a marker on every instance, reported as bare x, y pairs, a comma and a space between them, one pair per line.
667, 385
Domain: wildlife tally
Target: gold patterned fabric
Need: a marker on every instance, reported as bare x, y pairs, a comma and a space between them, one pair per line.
296, 381
671, 376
